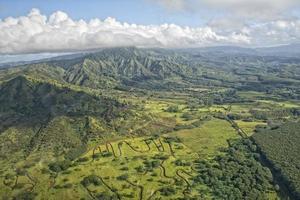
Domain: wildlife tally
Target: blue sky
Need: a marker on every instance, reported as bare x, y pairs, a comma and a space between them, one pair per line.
131, 11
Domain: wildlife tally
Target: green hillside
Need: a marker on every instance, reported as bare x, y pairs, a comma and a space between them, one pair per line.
132, 123
51, 115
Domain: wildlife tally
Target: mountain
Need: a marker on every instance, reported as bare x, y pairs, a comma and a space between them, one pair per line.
30, 97
290, 50
161, 69
53, 115
129, 66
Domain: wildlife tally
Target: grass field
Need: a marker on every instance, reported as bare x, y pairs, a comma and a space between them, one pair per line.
137, 168
248, 127
209, 138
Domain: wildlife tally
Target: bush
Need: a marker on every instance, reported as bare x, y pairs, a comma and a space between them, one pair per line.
122, 177
59, 166
96, 155
140, 169
91, 179
106, 196
161, 157
152, 164
167, 191
25, 196
107, 154
179, 162
84, 159
173, 109
20, 172
187, 116
68, 185
169, 139
124, 169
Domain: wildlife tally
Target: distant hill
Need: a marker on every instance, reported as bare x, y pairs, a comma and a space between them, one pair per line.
291, 50
130, 67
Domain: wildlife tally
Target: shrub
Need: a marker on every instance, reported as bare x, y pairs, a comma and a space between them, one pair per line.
122, 177
187, 116
179, 162
59, 166
106, 196
84, 159
107, 154
167, 191
68, 185
124, 169
91, 179
25, 196
173, 109
96, 155
140, 169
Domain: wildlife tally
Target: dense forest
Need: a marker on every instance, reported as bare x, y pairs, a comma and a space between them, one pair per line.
237, 174
280, 146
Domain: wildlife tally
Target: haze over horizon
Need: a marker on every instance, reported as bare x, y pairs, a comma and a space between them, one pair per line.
36, 26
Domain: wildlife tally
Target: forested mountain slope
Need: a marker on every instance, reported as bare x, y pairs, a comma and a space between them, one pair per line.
161, 69
51, 115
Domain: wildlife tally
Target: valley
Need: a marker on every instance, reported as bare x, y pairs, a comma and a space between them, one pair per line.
130, 123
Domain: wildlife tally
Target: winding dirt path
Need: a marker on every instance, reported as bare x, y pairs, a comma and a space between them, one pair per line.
164, 171
188, 187
136, 150
108, 144
147, 144
16, 182
33, 181
159, 148
90, 193
94, 151
153, 194
110, 188
161, 144
140, 187
171, 149
119, 147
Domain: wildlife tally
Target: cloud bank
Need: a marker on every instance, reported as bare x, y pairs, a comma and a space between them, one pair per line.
254, 9
58, 32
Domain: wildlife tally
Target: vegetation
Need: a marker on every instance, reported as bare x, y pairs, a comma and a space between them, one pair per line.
129, 123
280, 147
237, 174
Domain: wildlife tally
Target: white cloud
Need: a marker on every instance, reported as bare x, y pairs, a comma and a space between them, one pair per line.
174, 4
255, 9
58, 32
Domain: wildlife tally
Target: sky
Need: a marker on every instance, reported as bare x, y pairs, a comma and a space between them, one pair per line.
43, 26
